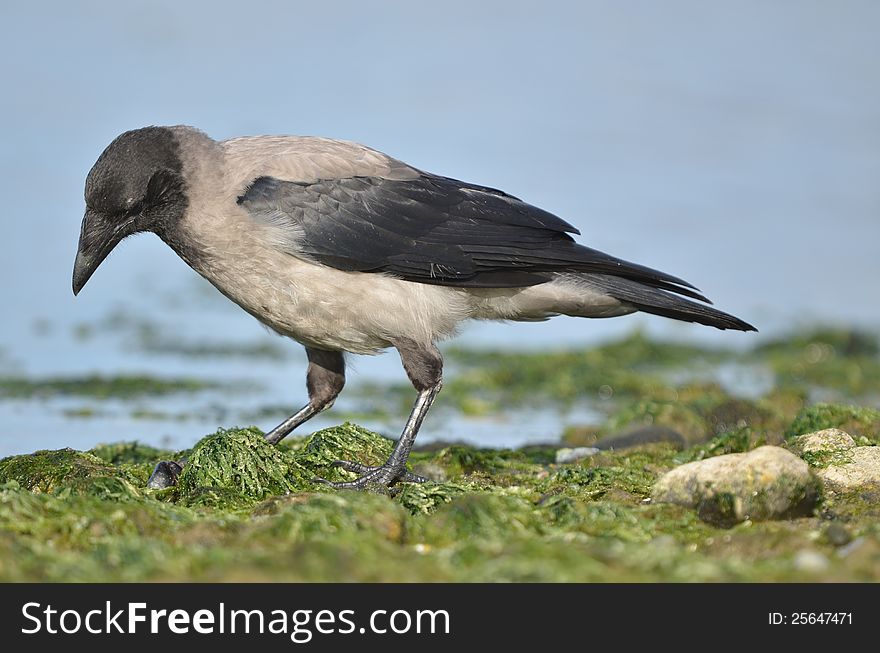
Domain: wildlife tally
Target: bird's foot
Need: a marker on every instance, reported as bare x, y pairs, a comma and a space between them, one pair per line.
164, 475
382, 475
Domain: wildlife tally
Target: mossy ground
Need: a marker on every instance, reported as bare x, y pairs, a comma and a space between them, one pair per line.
501, 515
246, 511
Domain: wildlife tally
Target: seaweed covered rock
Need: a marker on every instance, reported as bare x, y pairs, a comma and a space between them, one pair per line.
133, 453
67, 470
135, 458
237, 467
767, 483
346, 442
855, 420
238, 463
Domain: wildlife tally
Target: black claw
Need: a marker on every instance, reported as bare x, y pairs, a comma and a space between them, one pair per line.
164, 475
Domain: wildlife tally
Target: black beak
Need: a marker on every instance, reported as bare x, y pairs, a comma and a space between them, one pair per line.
97, 238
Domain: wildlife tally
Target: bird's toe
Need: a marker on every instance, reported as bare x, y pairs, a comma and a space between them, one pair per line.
351, 466
380, 476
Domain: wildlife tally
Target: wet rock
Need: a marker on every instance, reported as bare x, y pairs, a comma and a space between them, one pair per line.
858, 471
767, 483
666, 414
837, 534
733, 414
568, 456
825, 440
641, 436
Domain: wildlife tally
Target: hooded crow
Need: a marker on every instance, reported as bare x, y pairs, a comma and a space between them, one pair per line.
346, 249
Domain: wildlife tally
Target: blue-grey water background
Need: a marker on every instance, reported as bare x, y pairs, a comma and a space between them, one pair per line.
735, 144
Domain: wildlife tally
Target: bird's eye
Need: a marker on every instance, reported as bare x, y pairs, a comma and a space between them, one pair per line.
133, 207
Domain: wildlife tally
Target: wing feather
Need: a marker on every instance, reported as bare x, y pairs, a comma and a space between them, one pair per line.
431, 229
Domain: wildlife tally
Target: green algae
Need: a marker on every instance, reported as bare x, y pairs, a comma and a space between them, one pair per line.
629, 367
155, 343
822, 459
234, 464
858, 421
346, 442
824, 360
324, 516
424, 498
66, 472
102, 387
150, 336
118, 453
509, 515
844, 341
737, 441
486, 380
843, 361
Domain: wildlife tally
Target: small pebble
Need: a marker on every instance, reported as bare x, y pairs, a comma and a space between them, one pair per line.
567, 456
837, 534
810, 561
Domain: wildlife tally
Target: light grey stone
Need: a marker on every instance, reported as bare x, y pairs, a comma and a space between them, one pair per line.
859, 471
825, 440
767, 483
811, 561
567, 456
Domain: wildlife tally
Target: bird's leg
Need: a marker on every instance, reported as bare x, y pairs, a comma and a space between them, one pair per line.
324, 380
424, 366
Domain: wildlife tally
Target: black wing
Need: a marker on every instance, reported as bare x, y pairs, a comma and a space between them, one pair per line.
431, 230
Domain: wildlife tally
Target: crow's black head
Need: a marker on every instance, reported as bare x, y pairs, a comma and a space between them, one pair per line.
135, 185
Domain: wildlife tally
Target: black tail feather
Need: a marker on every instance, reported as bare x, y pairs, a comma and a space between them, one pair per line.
659, 301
